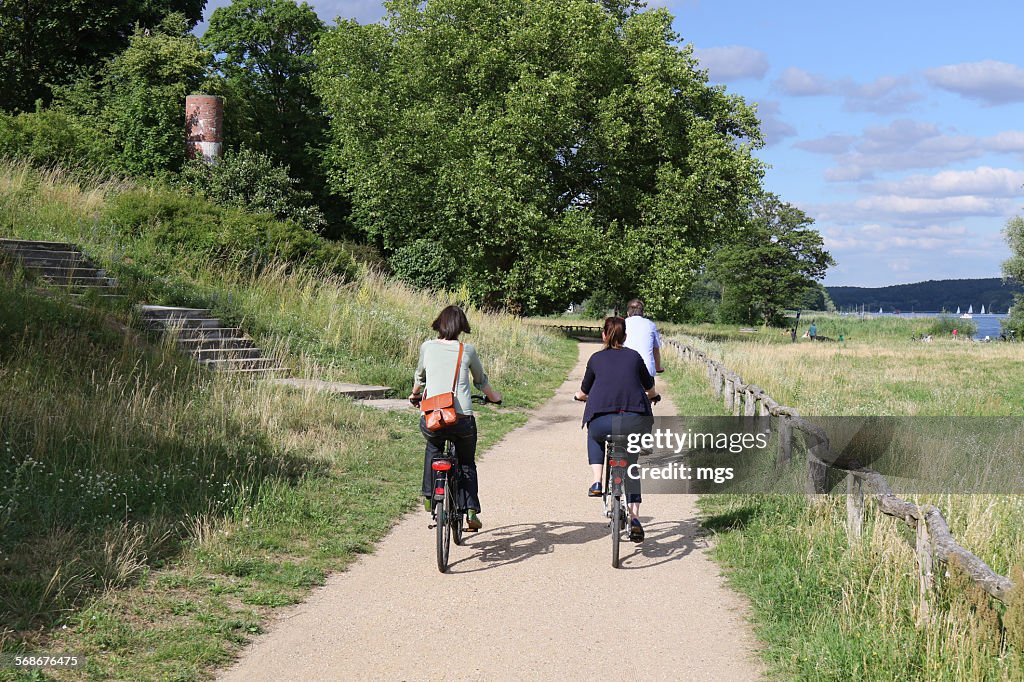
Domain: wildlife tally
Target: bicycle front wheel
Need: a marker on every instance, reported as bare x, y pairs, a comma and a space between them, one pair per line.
444, 530
616, 529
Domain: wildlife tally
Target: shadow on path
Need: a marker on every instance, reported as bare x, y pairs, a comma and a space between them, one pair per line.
506, 545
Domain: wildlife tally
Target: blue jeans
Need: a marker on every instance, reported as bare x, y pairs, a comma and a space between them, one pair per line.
463, 435
620, 423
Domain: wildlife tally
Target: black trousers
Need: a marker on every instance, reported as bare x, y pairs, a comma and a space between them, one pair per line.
463, 435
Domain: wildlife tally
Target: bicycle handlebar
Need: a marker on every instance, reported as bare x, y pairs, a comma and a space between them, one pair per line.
654, 401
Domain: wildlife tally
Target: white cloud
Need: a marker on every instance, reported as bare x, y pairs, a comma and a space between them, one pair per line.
984, 181
906, 144
899, 265
848, 174
732, 62
989, 81
944, 208
799, 83
1007, 141
884, 95
773, 127
876, 238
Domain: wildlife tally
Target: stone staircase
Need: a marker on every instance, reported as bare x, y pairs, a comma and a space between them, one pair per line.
61, 266
204, 337
209, 342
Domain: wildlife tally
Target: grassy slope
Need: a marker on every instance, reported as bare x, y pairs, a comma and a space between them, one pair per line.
831, 611
152, 514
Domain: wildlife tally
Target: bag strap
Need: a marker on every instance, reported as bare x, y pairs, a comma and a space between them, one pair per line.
458, 366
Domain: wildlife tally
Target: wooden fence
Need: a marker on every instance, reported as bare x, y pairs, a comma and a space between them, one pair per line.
933, 539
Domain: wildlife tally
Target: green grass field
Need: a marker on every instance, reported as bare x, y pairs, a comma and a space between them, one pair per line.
831, 610
151, 513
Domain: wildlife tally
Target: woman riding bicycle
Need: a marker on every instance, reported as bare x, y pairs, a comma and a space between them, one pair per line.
618, 389
436, 371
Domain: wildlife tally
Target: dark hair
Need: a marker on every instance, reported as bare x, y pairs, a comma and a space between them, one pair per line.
614, 332
635, 307
450, 323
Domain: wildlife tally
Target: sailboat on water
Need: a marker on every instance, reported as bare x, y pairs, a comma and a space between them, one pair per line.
982, 310
969, 314
958, 310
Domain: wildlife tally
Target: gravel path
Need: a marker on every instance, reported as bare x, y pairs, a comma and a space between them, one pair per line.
532, 595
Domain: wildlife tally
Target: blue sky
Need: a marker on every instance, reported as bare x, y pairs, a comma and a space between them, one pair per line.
899, 127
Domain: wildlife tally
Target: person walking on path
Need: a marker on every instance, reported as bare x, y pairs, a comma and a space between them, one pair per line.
617, 389
812, 331
435, 372
642, 336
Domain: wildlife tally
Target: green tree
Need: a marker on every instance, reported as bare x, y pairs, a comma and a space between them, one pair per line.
1013, 268
251, 180
45, 43
138, 98
544, 148
773, 265
264, 50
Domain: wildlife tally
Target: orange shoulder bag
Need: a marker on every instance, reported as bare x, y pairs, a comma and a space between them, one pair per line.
439, 410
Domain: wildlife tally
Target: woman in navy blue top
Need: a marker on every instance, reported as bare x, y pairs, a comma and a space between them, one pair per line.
617, 387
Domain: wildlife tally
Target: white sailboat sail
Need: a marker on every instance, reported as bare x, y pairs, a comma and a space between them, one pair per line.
958, 310
982, 310
970, 309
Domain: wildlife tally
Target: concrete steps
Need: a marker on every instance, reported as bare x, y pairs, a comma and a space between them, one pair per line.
62, 266
207, 341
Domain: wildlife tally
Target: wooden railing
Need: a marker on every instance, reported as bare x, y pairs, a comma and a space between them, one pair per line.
933, 538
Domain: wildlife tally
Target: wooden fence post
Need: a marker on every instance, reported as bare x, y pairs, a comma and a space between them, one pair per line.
730, 393
817, 470
785, 440
765, 412
738, 394
749, 404
854, 507
924, 565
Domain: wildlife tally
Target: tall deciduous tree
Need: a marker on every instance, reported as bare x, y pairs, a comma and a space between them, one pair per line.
265, 51
534, 150
45, 43
773, 265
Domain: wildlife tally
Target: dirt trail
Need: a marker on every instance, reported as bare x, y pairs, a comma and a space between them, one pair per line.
532, 595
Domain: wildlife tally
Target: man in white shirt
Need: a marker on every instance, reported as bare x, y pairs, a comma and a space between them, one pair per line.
642, 336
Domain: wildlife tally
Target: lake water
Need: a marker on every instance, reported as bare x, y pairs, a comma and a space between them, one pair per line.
988, 325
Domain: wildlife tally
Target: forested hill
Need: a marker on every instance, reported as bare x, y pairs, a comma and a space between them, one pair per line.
933, 295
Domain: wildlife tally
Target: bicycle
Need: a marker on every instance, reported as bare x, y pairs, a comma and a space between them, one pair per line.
447, 514
615, 469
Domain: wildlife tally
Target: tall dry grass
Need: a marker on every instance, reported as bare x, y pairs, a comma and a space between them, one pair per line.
853, 611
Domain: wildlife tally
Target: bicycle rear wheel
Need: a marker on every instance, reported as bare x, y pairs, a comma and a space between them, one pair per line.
444, 530
616, 525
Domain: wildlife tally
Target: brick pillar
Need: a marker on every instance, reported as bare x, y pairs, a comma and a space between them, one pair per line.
204, 127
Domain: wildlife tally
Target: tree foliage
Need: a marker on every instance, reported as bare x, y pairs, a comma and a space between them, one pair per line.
264, 51
535, 150
45, 43
1013, 268
138, 97
772, 265
250, 180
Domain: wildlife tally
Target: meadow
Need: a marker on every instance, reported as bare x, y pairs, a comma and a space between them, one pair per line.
832, 609
153, 514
